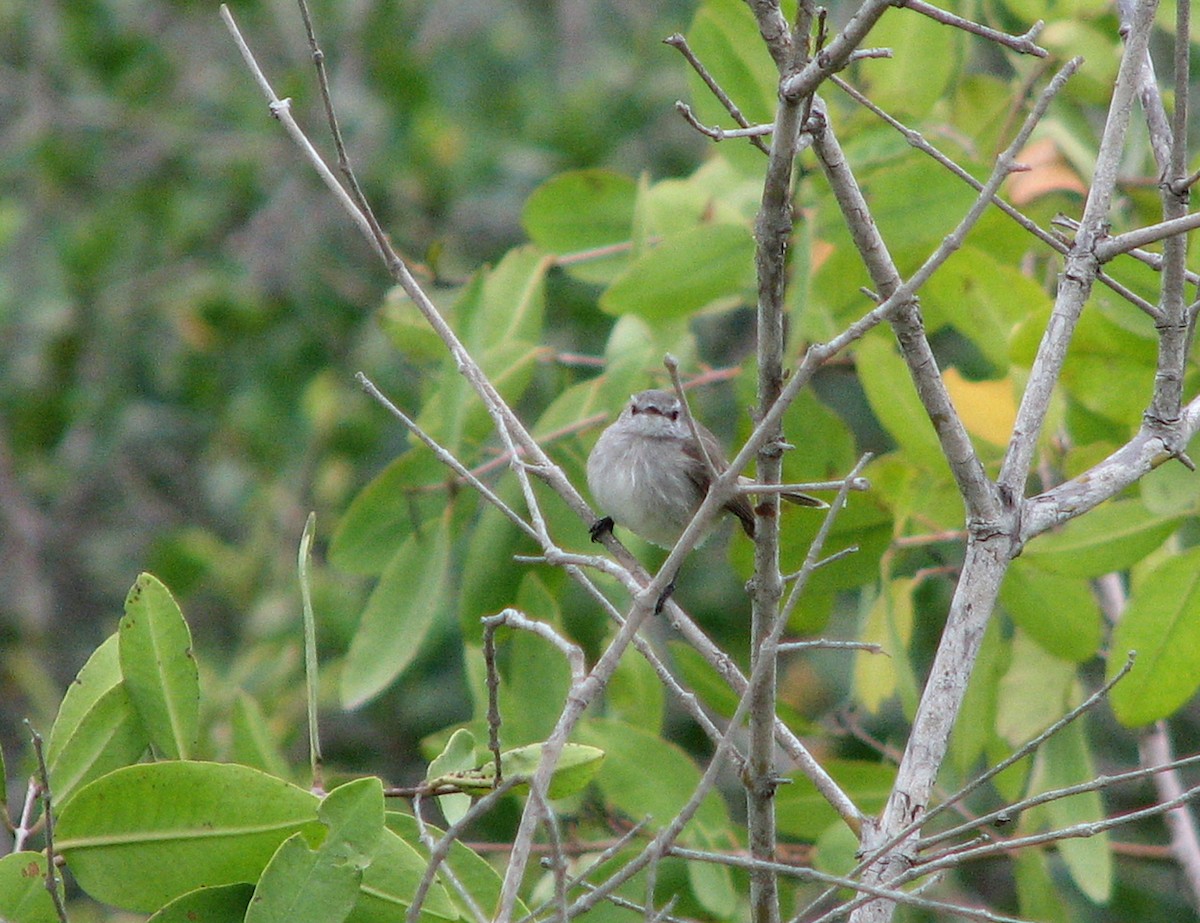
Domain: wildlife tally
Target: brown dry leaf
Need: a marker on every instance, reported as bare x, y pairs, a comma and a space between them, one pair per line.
1048, 172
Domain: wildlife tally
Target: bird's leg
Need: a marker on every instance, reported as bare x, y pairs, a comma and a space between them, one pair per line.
597, 529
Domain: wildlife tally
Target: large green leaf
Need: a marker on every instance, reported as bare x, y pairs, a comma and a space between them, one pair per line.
302, 885
1033, 693
475, 873
580, 211
144, 835
1112, 537
925, 56
159, 669
321, 885
685, 273
390, 881
386, 511
1059, 613
724, 36
1162, 624
412, 593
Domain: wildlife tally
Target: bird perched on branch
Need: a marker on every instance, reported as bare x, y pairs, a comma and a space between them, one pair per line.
649, 474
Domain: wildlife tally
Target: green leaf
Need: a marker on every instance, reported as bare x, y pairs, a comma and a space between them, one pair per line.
983, 299
159, 668
111, 736
411, 594
143, 835
457, 756
1033, 693
476, 874
1112, 537
511, 305
804, 813
353, 812
97, 676
97, 729
253, 743
1030, 595
685, 273
386, 511
391, 880
23, 894
725, 37
893, 399
635, 694
925, 56
1162, 624
536, 677
644, 775
580, 211
576, 767
712, 884
975, 728
221, 904
1037, 896
301, 885
889, 623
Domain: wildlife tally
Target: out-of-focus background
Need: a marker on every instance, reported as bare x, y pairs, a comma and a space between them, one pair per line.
183, 306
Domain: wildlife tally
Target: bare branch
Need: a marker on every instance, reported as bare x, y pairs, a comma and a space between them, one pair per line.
1025, 44
716, 132
678, 42
1080, 271
1110, 247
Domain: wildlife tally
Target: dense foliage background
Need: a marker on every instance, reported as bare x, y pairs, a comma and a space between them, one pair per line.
183, 309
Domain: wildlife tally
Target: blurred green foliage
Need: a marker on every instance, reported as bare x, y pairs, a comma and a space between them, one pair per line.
182, 310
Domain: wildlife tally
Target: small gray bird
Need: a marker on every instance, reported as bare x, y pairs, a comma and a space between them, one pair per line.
648, 473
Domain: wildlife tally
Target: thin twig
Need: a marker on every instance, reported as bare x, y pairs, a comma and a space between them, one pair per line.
716, 132
43, 785
839, 881
678, 42
1024, 44
445, 456
493, 693
672, 366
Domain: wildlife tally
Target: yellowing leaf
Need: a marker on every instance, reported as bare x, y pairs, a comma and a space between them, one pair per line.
987, 408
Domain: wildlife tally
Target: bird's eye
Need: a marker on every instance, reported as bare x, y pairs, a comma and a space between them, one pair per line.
674, 414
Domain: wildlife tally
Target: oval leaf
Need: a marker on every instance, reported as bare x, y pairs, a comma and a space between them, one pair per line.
389, 882
685, 273
302, 885
1161, 623
1029, 594
580, 210
159, 669
144, 835
413, 591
